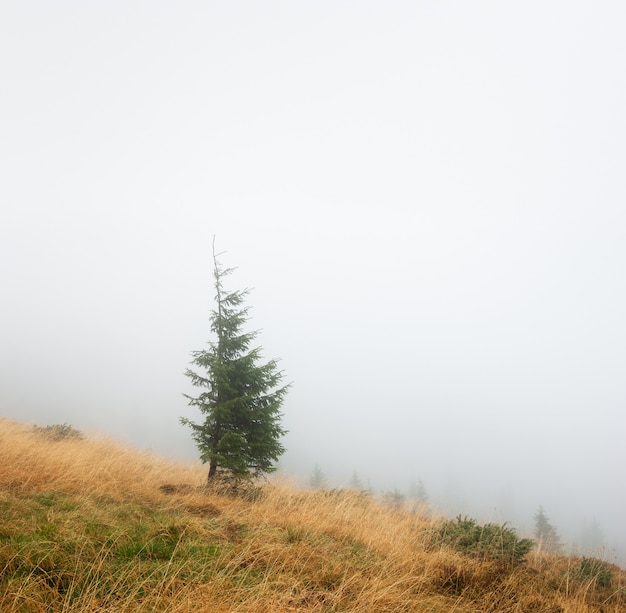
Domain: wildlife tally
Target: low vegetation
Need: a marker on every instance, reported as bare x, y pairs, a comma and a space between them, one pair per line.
489, 541
89, 525
58, 432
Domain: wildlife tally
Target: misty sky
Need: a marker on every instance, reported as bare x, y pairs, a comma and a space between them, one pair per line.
428, 198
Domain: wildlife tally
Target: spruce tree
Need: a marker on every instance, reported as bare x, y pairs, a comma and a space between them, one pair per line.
592, 537
318, 479
356, 483
417, 491
545, 533
240, 397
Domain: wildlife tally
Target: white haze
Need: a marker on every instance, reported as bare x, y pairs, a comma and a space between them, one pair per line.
428, 199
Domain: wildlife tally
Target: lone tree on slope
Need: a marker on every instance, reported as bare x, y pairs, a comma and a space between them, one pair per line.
545, 533
240, 398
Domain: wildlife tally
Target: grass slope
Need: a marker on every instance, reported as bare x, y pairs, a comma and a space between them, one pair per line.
86, 526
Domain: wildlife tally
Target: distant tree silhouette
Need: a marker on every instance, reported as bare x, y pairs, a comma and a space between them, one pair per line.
355, 482
592, 537
546, 535
318, 479
395, 498
418, 492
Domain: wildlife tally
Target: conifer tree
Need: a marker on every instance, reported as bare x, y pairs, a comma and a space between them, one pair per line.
545, 533
318, 479
592, 537
395, 499
240, 398
417, 491
355, 482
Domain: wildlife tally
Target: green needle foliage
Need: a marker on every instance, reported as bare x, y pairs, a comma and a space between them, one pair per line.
465, 535
594, 570
241, 397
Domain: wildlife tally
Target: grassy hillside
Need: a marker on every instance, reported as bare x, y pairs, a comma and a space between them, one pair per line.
87, 526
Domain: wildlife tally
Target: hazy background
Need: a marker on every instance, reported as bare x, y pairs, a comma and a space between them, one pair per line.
428, 198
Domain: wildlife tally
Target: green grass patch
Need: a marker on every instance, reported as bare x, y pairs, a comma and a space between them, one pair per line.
55, 553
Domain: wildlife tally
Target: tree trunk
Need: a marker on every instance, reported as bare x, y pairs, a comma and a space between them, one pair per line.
212, 470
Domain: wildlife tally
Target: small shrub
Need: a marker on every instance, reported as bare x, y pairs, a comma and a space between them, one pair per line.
493, 541
591, 569
58, 432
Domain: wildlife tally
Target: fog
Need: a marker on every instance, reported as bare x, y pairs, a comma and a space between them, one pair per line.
427, 198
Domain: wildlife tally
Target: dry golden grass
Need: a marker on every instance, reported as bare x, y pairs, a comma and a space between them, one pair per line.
86, 527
